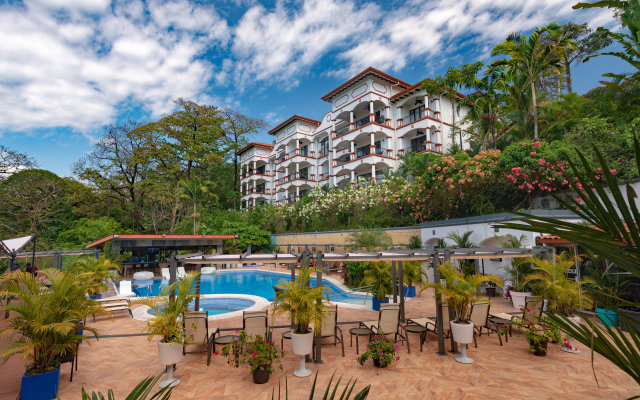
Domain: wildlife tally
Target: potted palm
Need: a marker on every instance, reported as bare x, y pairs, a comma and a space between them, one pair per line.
459, 292
517, 272
167, 323
412, 273
44, 325
378, 276
607, 290
306, 306
550, 281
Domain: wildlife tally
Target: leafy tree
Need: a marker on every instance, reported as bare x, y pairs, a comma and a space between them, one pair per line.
11, 161
120, 168
369, 240
85, 230
530, 58
248, 235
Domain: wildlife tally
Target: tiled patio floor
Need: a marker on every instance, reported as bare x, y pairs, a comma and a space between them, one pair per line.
507, 372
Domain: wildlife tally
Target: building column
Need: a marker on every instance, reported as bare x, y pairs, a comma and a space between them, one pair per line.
353, 149
388, 116
254, 167
399, 120
427, 110
297, 146
312, 147
437, 106
428, 142
297, 193
254, 203
371, 114
353, 177
352, 125
372, 146
373, 172
297, 170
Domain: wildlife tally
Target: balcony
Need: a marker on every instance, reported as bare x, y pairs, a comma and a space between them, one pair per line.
381, 154
302, 154
429, 147
417, 115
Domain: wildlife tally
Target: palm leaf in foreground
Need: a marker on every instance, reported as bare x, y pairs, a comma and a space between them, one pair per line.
345, 395
140, 392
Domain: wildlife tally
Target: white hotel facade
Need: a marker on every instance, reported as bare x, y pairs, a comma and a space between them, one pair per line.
375, 118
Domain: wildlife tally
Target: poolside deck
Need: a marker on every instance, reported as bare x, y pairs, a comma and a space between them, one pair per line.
508, 372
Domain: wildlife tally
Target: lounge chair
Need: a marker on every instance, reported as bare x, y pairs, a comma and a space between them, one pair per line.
330, 327
533, 303
166, 274
431, 324
388, 321
181, 273
113, 304
480, 318
125, 290
207, 270
255, 323
196, 323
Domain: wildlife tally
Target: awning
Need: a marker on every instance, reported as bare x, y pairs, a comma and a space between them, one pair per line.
12, 246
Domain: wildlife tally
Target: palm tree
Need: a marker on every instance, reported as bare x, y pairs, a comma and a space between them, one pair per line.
529, 57
462, 242
612, 232
379, 277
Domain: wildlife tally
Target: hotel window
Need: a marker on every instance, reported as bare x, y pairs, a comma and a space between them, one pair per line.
260, 170
417, 144
379, 117
304, 173
304, 150
260, 188
324, 146
416, 114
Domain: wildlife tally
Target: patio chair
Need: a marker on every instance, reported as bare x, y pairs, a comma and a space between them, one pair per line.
166, 275
181, 273
125, 289
533, 303
388, 321
113, 304
480, 318
207, 270
255, 323
196, 323
330, 327
431, 324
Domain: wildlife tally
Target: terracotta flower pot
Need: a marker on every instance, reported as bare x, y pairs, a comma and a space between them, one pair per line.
261, 375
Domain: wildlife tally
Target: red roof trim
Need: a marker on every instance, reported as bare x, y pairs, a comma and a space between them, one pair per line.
362, 74
293, 118
144, 236
552, 239
256, 144
416, 87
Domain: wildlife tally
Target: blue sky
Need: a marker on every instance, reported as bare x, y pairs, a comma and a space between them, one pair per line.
69, 67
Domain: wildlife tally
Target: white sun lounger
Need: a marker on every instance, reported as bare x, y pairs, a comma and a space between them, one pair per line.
181, 273
207, 270
166, 275
125, 289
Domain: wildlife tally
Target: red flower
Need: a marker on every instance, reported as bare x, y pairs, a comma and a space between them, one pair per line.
535, 144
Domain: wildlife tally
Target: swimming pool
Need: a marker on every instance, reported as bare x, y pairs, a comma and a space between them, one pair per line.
252, 282
220, 305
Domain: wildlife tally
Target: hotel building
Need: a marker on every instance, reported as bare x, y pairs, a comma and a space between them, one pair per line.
374, 119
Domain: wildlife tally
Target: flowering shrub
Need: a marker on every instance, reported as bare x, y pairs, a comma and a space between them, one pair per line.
537, 329
253, 352
380, 351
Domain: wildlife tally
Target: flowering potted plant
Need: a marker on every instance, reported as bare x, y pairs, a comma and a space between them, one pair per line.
167, 323
459, 292
382, 352
257, 353
538, 331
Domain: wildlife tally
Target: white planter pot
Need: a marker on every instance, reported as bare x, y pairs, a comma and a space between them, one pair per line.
462, 333
169, 353
518, 299
302, 344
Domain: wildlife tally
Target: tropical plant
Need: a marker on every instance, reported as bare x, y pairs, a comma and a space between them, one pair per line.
549, 279
381, 351
414, 242
520, 268
369, 240
97, 271
168, 311
607, 234
463, 241
305, 304
140, 392
529, 57
329, 394
537, 330
44, 322
254, 352
459, 290
354, 272
413, 273
606, 287
379, 278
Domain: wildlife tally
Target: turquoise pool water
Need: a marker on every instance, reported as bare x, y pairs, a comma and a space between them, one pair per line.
220, 305
256, 283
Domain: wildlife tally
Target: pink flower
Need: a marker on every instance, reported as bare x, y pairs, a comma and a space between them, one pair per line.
613, 171
216, 353
535, 144
533, 153
541, 162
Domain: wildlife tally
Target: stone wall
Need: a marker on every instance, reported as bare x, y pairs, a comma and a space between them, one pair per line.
338, 239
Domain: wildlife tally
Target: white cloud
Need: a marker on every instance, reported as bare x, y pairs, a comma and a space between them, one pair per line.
74, 63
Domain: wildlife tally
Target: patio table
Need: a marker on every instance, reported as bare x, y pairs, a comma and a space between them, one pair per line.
412, 328
359, 332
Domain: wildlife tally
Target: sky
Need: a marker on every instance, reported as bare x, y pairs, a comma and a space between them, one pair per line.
70, 67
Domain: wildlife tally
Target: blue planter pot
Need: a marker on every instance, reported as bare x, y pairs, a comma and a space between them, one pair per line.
376, 303
96, 296
607, 317
410, 291
40, 386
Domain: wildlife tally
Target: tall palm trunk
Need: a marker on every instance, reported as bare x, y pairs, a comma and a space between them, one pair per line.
535, 110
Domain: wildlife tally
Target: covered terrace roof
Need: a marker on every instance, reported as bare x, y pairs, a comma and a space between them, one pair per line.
157, 240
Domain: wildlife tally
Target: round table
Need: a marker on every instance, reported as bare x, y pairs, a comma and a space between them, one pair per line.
360, 331
142, 275
411, 328
500, 323
227, 339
